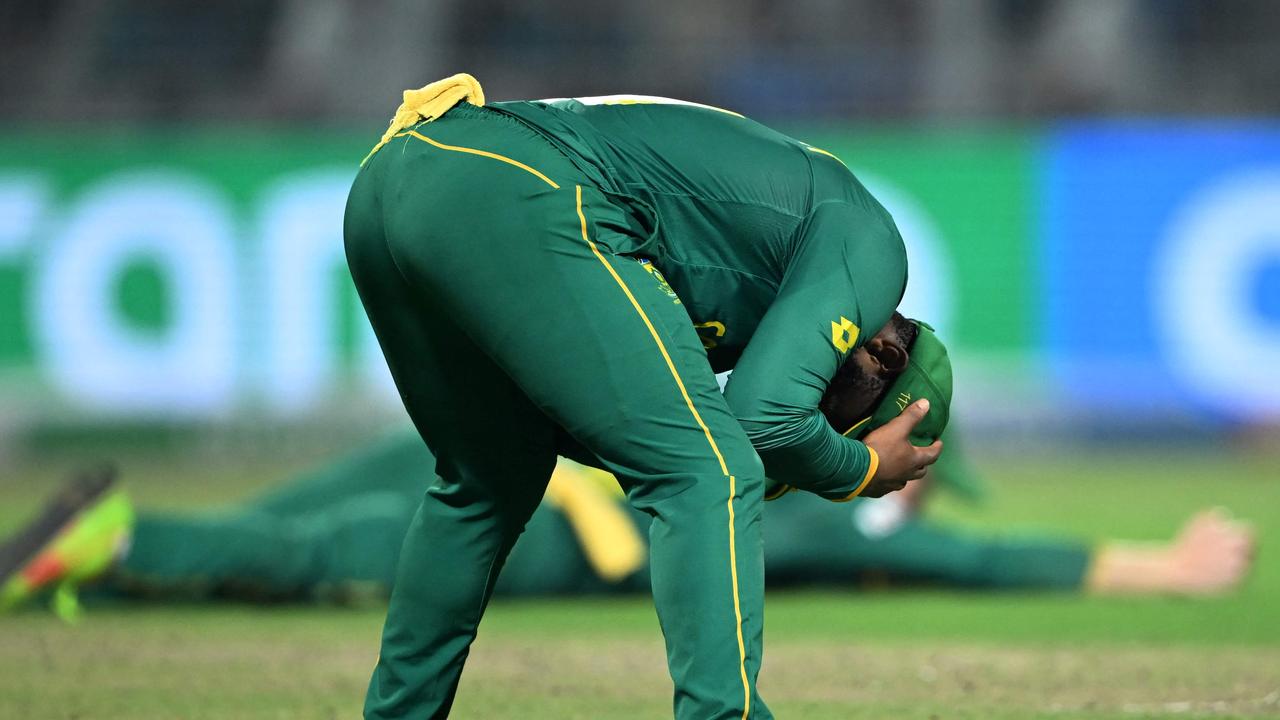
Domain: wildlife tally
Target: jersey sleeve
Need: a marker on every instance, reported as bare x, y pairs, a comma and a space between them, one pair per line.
845, 279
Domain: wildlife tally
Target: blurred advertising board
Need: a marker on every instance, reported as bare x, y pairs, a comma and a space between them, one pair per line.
1160, 267
964, 202
178, 276
198, 275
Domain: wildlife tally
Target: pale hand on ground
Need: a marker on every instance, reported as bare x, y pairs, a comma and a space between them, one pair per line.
1211, 555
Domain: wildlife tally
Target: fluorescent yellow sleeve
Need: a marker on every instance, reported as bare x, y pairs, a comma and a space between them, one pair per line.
608, 537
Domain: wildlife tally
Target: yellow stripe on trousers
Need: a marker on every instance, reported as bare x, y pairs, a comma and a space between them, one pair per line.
733, 551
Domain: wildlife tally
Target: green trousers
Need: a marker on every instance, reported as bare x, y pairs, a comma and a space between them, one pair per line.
497, 282
332, 534
325, 534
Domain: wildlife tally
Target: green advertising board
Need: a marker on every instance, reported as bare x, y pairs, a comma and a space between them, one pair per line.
197, 274
969, 198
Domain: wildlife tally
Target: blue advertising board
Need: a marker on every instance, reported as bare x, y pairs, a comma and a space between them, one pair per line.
1160, 260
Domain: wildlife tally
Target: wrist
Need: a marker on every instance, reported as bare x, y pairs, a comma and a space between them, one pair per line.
873, 465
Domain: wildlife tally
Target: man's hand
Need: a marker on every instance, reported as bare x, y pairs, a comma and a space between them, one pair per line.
900, 461
1211, 556
913, 495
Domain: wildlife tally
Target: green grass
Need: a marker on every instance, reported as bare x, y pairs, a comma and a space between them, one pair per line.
897, 654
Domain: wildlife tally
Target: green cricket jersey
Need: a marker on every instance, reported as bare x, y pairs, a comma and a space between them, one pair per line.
783, 260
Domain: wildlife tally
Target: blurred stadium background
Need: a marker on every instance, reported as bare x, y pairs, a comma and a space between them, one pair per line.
1090, 192
1090, 189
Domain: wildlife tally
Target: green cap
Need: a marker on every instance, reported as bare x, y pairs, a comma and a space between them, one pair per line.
927, 376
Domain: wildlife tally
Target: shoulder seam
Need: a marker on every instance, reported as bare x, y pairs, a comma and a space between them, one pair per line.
727, 201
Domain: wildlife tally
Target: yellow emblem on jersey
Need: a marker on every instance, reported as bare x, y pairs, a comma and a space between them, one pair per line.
709, 331
844, 334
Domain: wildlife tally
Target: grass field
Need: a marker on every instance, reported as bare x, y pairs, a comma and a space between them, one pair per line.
886, 654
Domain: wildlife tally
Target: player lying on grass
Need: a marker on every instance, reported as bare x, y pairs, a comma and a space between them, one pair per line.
336, 533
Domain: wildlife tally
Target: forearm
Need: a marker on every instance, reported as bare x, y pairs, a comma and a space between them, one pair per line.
923, 550
1211, 554
1120, 568
810, 456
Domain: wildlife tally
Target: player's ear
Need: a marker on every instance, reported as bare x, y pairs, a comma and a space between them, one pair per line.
888, 354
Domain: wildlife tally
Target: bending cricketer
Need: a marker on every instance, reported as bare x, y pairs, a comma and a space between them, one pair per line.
537, 275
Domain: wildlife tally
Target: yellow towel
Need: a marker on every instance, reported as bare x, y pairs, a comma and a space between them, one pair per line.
608, 537
430, 102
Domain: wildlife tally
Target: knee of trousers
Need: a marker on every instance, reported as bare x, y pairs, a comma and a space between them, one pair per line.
703, 488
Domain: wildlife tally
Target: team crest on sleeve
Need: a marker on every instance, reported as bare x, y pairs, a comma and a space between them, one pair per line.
844, 334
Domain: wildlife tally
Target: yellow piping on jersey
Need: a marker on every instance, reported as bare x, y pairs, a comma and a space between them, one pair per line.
871, 472
875, 463
856, 425
824, 152
778, 492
